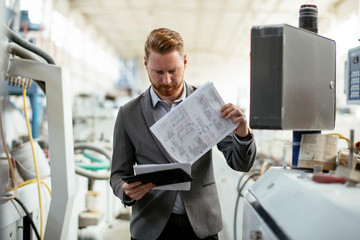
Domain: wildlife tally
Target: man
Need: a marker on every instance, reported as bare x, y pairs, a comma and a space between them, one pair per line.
158, 214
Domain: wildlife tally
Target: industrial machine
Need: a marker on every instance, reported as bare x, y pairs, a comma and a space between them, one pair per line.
292, 79
286, 204
293, 84
292, 203
352, 78
27, 63
293, 88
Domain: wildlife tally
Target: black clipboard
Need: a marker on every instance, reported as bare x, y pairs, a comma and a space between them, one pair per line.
160, 178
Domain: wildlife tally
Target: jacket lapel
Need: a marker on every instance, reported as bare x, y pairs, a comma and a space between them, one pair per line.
146, 108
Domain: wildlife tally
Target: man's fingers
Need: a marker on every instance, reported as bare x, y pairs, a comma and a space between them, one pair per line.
142, 190
137, 190
229, 110
225, 110
127, 186
239, 120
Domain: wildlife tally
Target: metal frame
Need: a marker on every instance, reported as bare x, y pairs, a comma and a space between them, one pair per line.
61, 147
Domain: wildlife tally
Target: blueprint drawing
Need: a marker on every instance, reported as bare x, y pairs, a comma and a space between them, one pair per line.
192, 128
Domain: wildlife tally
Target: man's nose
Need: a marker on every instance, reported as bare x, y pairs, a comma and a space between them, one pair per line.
166, 78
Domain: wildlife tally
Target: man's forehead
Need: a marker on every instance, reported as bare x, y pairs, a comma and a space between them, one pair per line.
158, 53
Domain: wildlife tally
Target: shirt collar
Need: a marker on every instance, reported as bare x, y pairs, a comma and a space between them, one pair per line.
155, 99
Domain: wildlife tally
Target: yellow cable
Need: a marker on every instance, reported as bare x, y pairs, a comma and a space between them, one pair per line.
31, 181
12, 172
341, 137
35, 163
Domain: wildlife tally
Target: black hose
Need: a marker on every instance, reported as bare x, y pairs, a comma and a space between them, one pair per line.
28, 217
23, 53
240, 195
27, 45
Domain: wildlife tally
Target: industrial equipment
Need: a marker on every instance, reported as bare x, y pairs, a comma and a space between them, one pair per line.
352, 78
292, 79
54, 81
98, 158
293, 88
287, 204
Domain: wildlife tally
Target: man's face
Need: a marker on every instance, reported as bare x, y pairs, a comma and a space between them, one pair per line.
166, 73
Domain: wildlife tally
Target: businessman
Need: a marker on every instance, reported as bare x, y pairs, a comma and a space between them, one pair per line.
160, 214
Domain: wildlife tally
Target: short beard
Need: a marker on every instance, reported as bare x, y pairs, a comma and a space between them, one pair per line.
168, 89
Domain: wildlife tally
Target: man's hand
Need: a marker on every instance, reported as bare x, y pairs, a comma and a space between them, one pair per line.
230, 110
137, 190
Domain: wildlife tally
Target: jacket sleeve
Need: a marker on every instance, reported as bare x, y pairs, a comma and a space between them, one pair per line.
123, 159
239, 156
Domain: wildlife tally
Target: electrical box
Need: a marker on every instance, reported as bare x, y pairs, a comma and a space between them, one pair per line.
352, 87
292, 79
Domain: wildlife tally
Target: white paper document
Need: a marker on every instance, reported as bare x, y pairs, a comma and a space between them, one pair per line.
192, 128
148, 168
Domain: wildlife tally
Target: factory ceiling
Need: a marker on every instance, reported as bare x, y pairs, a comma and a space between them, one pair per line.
214, 31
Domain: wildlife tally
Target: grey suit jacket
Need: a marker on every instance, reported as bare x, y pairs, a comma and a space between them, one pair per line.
134, 143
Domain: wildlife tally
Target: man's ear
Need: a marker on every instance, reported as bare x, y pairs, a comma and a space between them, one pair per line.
185, 61
145, 62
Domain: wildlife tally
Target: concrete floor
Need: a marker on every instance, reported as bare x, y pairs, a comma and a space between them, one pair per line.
118, 229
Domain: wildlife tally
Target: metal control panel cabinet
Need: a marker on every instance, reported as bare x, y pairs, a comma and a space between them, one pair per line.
353, 77
292, 79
